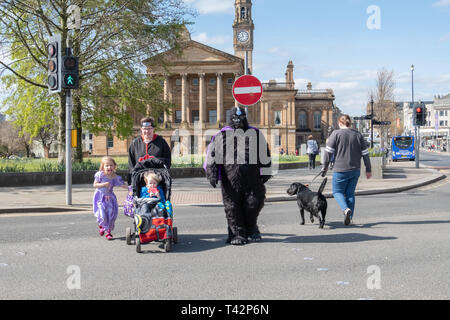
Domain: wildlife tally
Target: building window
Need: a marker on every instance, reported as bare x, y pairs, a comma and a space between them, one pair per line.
161, 118
230, 81
228, 114
90, 136
178, 82
277, 141
212, 115
441, 113
212, 82
302, 120
195, 82
317, 120
195, 116
243, 13
110, 142
178, 116
277, 118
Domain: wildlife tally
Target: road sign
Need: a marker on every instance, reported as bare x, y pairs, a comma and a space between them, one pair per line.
247, 90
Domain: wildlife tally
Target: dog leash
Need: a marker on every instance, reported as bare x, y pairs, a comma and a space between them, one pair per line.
316, 177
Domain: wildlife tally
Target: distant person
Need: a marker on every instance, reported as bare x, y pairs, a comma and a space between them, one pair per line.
105, 201
148, 145
312, 150
348, 146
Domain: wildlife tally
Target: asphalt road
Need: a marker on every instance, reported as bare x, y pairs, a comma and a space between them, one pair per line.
397, 249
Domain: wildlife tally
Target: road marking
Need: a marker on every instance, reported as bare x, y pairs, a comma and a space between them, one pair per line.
42, 214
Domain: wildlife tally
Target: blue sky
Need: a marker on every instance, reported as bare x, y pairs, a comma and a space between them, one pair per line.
330, 44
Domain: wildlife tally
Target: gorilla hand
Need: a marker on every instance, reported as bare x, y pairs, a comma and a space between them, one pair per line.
265, 178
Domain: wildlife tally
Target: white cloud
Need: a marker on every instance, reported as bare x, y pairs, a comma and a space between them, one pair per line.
445, 38
211, 41
278, 52
212, 6
442, 3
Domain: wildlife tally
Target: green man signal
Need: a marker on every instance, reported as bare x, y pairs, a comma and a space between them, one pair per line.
69, 72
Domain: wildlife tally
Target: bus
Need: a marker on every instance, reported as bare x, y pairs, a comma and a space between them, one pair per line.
403, 148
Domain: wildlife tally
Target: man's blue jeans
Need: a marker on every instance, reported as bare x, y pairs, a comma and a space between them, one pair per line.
344, 185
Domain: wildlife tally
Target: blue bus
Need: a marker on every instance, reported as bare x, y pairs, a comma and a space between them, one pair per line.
403, 148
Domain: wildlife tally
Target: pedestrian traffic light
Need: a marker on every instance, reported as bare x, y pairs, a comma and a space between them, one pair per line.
69, 72
54, 64
420, 115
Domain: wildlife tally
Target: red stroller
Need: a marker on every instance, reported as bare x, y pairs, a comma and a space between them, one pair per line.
158, 213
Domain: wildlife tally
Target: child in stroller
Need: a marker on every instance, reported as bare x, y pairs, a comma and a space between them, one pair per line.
151, 188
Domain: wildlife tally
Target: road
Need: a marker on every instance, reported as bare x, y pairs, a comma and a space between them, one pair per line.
397, 249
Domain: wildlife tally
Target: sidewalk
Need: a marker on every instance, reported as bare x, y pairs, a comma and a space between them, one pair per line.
399, 176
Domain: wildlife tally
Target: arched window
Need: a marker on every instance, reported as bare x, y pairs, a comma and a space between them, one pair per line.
302, 120
317, 120
242, 12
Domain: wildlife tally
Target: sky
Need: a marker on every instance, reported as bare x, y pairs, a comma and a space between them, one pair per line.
340, 44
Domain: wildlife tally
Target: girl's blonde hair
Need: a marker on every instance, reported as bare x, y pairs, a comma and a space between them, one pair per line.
151, 175
106, 159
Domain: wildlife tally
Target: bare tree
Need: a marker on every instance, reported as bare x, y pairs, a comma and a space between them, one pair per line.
384, 100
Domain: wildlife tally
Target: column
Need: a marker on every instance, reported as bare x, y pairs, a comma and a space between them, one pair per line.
292, 104
236, 75
219, 97
167, 117
184, 100
202, 99
261, 113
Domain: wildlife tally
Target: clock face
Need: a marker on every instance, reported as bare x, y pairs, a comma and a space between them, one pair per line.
242, 36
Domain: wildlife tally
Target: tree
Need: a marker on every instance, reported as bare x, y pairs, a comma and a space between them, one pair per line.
384, 107
114, 36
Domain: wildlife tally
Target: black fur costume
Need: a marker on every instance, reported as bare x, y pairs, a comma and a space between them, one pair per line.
237, 163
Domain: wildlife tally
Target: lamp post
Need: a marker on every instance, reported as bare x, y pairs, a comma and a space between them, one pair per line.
286, 108
416, 128
371, 122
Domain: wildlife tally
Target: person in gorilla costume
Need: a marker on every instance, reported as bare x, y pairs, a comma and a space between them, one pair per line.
238, 155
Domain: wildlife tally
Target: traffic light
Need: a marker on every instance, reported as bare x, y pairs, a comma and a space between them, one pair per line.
54, 64
69, 72
419, 115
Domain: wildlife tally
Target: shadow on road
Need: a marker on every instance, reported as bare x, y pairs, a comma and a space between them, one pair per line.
329, 238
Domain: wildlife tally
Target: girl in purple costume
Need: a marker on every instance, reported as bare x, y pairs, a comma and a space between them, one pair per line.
105, 201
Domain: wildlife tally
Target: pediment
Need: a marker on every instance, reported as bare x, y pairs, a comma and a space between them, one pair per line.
196, 53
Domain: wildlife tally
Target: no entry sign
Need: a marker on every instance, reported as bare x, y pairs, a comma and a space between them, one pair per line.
247, 90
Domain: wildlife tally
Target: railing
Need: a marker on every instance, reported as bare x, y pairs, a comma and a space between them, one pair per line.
278, 85
315, 91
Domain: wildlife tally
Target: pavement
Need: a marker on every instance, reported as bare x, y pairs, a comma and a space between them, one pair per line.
398, 177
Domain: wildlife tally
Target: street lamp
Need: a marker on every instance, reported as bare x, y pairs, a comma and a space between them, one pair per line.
287, 150
371, 121
416, 133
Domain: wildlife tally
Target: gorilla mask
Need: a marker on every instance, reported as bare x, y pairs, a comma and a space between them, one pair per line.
238, 119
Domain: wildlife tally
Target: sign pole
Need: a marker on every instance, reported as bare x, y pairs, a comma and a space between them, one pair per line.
68, 137
68, 147
245, 73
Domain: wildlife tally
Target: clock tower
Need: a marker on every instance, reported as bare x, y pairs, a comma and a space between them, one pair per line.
243, 31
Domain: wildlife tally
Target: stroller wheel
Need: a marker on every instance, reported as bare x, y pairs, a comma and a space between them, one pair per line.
175, 235
167, 245
128, 235
138, 245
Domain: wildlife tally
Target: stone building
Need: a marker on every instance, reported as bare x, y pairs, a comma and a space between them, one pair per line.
199, 83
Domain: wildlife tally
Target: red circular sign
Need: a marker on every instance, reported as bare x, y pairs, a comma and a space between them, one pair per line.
247, 90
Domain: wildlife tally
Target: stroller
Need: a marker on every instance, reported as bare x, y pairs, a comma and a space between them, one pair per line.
158, 215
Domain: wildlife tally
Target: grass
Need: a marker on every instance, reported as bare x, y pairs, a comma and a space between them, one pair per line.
51, 165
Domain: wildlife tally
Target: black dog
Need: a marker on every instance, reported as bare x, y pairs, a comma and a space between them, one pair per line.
313, 202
